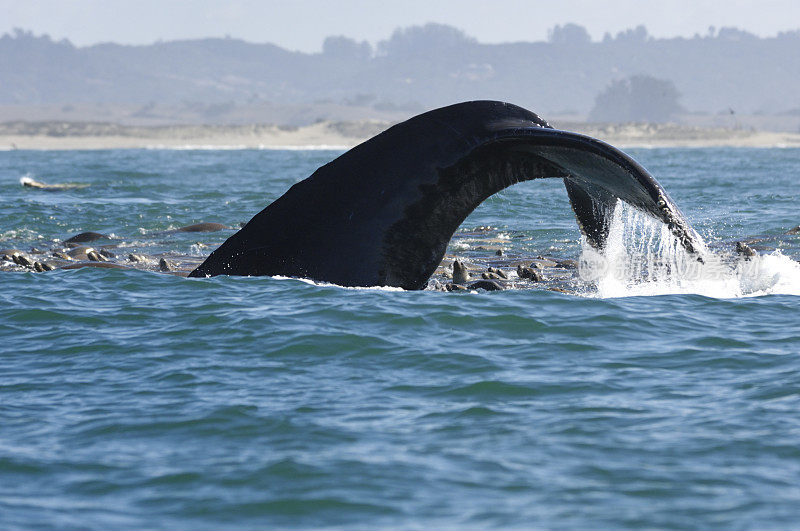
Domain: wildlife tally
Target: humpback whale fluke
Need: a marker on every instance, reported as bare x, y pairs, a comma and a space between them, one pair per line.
382, 213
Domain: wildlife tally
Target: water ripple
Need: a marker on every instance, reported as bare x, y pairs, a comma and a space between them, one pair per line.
140, 400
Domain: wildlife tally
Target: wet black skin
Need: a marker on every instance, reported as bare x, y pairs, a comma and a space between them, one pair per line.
382, 213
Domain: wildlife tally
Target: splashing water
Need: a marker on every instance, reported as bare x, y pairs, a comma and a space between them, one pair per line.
642, 257
27, 179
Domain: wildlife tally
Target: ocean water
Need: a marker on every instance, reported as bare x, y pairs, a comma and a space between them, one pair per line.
640, 397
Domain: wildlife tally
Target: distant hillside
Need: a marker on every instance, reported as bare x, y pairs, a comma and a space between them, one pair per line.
416, 68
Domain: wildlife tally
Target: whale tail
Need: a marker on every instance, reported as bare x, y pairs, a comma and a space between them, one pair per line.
382, 213
593, 210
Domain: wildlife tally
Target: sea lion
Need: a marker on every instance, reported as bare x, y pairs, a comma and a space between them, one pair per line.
8, 254
102, 265
85, 237
42, 266
745, 250
567, 263
460, 273
80, 253
455, 287
94, 256
529, 273
22, 260
541, 263
499, 272
203, 227
488, 285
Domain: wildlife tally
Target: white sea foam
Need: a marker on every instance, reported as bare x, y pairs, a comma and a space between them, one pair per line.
20, 234
642, 257
330, 284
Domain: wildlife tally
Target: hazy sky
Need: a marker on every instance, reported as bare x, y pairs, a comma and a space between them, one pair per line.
303, 24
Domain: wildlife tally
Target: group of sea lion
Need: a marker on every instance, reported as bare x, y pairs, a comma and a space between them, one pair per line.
74, 253
496, 279
87, 250
82, 250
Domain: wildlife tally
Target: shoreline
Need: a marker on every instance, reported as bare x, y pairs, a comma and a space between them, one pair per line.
342, 135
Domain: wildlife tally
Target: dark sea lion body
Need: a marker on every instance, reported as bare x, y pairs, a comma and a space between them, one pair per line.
80, 252
102, 265
532, 274
85, 237
382, 213
22, 260
460, 273
499, 272
94, 256
744, 250
9, 253
488, 285
203, 227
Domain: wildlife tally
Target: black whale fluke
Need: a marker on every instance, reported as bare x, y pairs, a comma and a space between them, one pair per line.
382, 213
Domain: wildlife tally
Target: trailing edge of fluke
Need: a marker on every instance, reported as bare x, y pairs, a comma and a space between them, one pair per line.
382, 213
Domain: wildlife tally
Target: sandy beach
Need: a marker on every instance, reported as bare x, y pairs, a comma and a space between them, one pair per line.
340, 135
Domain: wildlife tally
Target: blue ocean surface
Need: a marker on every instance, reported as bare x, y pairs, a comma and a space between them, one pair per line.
139, 399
